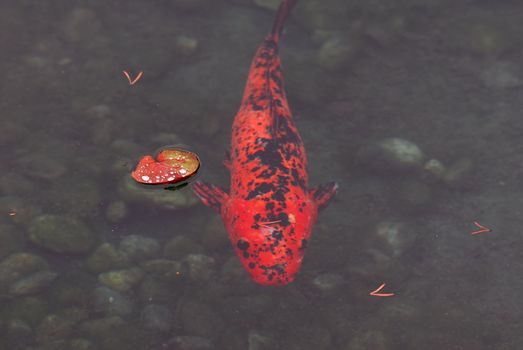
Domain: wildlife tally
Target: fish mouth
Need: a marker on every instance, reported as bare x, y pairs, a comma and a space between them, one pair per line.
273, 275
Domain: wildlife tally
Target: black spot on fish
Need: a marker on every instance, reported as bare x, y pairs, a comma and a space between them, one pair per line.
260, 189
242, 244
278, 235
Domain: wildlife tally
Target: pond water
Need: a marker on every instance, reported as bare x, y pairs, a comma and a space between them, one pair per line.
412, 107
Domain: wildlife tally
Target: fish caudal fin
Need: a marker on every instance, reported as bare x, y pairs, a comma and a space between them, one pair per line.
323, 194
212, 196
283, 12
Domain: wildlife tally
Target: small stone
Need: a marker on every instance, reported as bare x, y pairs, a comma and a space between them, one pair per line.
201, 267
184, 342
233, 271
121, 280
61, 234
18, 265
116, 211
328, 281
111, 302
435, 167
80, 344
106, 325
41, 165
157, 318
167, 270
158, 290
336, 52
10, 240
33, 283
397, 236
502, 75
366, 340
458, 172
28, 309
82, 24
105, 258
22, 211
200, 320
415, 193
14, 183
19, 332
138, 247
53, 329
392, 154
186, 45
171, 200
258, 340
180, 246
99, 112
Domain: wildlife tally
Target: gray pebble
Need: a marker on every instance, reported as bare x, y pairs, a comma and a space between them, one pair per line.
33, 283
157, 318
328, 281
138, 247
111, 302
184, 342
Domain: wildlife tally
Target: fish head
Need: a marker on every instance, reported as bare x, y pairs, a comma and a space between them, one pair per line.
270, 244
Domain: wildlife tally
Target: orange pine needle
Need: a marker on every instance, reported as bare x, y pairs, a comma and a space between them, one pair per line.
481, 228
376, 294
132, 81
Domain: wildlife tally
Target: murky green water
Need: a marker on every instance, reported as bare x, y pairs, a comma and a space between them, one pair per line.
413, 107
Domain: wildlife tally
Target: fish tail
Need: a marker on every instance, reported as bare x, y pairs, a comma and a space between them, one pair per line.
283, 12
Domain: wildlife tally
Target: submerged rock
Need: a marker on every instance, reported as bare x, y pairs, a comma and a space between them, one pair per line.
502, 75
33, 283
139, 248
159, 197
19, 265
200, 319
201, 267
99, 326
41, 165
61, 234
111, 302
337, 52
105, 258
328, 281
374, 340
80, 344
397, 236
260, 340
19, 333
54, 329
116, 211
157, 318
186, 342
9, 238
121, 280
392, 154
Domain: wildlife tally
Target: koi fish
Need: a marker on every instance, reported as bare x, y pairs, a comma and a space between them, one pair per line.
269, 211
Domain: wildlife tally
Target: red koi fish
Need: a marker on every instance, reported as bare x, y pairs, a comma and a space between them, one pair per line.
269, 211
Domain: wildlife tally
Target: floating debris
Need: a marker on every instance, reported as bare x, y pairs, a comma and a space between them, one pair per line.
172, 168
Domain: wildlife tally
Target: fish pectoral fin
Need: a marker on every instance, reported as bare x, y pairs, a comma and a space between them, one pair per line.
227, 160
212, 196
323, 194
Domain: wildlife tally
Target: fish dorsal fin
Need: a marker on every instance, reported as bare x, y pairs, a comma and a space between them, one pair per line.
323, 194
211, 195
